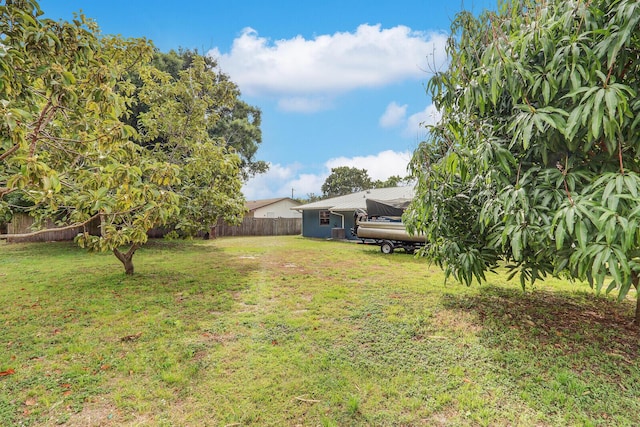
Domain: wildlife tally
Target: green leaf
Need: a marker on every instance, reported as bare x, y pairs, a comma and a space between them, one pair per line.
452, 162
516, 245
581, 233
608, 190
631, 182
612, 102
598, 262
620, 183
611, 229
597, 115
559, 236
569, 218
614, 270
572, 125
68, 78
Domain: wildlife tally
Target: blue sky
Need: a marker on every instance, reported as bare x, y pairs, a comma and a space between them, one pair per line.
339, 83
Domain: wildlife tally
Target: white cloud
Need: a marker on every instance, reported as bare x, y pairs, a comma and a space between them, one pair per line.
279, 179
304, 105
379, 166
328, 65
393, 116
261, 186
307, 184
416, 123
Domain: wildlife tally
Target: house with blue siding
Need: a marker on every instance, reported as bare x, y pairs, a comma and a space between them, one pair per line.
334, 217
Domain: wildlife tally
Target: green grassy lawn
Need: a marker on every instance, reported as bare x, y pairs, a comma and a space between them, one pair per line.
286, 331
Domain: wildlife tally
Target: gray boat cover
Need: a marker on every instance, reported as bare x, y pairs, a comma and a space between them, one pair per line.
388, 208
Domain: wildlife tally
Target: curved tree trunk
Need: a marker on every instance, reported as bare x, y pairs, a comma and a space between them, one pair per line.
636, 320
126, 258
635, 279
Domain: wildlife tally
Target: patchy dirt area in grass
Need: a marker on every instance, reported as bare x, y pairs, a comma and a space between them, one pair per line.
97, 413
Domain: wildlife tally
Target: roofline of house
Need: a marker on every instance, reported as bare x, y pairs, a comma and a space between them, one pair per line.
333, 208
302, 208
273, 202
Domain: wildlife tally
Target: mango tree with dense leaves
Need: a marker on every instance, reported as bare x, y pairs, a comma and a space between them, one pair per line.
536, 161
64, 91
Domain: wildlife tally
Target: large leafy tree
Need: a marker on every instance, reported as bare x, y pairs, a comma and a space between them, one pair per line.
392, 181
64, 148
237, 123
175, 129
345, 180
536, 159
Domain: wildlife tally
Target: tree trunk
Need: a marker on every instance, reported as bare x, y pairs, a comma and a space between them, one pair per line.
635, 279
126, 258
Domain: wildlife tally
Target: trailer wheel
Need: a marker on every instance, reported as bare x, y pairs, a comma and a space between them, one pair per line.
386, 247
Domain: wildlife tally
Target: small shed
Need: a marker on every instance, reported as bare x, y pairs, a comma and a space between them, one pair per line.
273, 208
333, 218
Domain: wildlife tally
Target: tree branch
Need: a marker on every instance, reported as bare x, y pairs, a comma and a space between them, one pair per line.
9, 152
620, 158
6, 190
46, 230
45, 116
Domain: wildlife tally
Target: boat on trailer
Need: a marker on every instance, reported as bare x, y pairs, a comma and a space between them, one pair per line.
381, 224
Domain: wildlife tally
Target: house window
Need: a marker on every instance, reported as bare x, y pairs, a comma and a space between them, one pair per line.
325, 217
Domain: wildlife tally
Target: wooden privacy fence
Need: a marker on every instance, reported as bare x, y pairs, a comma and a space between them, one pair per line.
19, 230
259, 227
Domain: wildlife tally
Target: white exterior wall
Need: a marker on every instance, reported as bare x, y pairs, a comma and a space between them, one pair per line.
279, 209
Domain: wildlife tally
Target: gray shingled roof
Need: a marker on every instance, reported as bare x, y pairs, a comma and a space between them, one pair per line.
351, 202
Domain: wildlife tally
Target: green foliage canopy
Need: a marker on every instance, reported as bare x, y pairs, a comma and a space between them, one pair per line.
175, 129
237, 123
345, 180
64, 91
535, 160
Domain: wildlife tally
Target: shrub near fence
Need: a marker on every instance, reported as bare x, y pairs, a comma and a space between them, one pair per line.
259, 227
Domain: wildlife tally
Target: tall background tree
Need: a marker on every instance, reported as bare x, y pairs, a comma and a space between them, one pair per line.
392, 181
536, 159
176, 128
345, 180
237, 123
64, 148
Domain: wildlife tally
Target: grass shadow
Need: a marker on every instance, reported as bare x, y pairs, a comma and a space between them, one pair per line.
173, 267
562, 322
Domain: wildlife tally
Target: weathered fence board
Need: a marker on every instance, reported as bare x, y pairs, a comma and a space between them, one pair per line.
259, 227
21, 225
